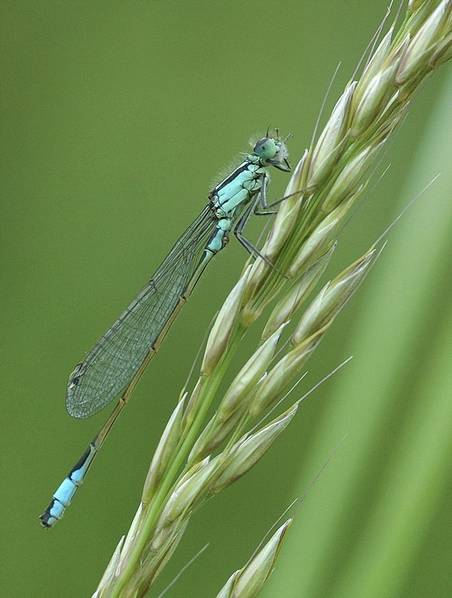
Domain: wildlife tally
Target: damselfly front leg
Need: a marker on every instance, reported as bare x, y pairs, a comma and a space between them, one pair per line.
263, 208
238, 231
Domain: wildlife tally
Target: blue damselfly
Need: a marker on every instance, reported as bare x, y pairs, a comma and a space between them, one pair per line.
114, 365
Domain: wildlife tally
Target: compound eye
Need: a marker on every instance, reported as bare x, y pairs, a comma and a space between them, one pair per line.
266, 148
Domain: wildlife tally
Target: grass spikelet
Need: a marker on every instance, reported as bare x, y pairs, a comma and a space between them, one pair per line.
248, 581
247, 451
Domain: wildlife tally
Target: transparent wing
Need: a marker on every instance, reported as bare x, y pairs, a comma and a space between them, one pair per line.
111, 364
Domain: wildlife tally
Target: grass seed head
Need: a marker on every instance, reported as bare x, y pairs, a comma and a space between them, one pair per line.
283, 373
328, 146
332, 298
164, 450
320, 239
376, 64
223, 326
424, 43
227, 591
187, 492
248, 451
290, 303
378, 88
349, 178
249, 581
250, 374
214, 433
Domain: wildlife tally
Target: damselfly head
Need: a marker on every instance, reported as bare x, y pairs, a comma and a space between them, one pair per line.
272, 151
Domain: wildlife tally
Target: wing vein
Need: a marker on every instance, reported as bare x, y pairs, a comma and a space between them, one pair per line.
111, 364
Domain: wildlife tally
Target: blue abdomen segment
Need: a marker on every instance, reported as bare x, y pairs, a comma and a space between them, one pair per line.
65, 492
220, 237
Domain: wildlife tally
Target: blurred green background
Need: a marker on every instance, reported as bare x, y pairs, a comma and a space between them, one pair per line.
117, 117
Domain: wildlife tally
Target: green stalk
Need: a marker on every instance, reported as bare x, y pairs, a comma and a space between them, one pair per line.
209, 389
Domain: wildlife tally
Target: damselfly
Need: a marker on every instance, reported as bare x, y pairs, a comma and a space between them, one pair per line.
114, 365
